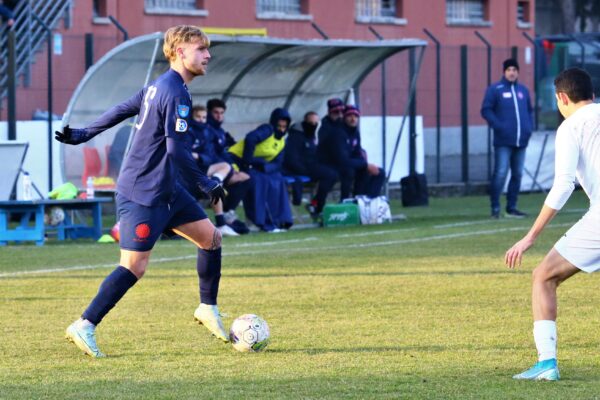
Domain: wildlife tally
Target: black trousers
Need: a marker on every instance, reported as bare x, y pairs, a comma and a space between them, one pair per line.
235, 194
326, 177
364, 184
323, 175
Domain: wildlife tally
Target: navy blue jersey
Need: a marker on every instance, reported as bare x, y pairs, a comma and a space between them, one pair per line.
341, 149
160, 150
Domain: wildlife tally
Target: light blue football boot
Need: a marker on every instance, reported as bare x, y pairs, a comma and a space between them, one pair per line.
209, 316
84, 337
546, 370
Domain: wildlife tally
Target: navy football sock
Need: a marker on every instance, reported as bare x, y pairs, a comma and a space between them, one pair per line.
110, 292
219, 219
209, 271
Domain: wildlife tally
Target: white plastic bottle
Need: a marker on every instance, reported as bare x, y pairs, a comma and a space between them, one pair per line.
89, 190
27, 189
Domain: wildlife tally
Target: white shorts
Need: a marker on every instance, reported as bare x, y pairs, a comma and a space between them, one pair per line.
581, 244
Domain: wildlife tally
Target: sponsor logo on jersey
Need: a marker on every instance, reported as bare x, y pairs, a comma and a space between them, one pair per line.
507, 95
183, 110
181, 125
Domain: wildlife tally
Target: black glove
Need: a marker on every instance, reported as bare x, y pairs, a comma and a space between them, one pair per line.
216, 193
72, 136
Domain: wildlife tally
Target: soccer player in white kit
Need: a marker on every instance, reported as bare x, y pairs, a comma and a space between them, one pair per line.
577, 156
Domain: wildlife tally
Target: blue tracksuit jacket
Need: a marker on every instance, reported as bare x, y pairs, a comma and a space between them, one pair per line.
507, 109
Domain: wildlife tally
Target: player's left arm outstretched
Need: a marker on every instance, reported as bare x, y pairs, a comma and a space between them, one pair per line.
110, 118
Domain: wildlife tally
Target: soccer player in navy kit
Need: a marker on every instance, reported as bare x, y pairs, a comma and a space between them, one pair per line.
150, 197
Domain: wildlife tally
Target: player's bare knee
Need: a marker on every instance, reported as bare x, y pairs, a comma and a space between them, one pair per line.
212, 241
138, 269
216, 240
544, 274
134, 261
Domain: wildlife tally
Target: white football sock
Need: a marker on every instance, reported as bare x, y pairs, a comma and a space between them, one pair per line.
544, 334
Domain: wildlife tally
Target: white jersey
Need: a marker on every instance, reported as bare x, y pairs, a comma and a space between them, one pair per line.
577, 156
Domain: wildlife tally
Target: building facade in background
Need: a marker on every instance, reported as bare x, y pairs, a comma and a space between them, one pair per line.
452, 22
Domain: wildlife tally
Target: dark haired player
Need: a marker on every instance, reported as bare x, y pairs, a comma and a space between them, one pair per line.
577, 157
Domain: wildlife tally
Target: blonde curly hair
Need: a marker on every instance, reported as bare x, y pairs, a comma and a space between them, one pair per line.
182, 34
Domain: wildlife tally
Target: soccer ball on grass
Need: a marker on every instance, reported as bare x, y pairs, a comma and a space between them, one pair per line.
54, 216
249, 333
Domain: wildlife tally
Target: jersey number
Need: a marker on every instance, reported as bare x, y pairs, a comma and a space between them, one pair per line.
150, 93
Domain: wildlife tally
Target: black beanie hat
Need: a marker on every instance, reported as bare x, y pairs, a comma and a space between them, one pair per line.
511, 62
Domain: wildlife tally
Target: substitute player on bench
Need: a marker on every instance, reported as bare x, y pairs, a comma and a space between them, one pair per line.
577, 156
150, 198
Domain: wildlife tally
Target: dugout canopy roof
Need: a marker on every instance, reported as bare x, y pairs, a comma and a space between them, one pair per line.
253, 75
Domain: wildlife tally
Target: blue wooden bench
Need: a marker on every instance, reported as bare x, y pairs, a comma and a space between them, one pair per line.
36, 209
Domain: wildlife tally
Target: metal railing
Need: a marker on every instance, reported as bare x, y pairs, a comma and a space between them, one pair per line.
377, 8
292, 7
166, 5
465, 11
29, 34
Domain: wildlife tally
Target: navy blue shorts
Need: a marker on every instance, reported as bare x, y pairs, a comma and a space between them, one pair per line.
140, 226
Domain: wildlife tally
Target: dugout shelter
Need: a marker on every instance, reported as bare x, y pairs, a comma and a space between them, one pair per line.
253, 75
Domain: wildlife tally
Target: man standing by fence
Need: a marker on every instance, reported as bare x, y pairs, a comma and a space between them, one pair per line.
507, 109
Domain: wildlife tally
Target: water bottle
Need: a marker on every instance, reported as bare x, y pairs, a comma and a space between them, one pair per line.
27, 193
89, 190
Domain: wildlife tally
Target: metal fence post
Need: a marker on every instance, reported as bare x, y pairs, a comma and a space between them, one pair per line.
12, 86
464, 111
89, 50
383, 102
412, 123
49, 42
438, 107
535, 78
489, 82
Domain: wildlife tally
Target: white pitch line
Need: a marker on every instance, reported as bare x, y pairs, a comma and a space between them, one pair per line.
347, 235
468, 223
276, 242
288, 250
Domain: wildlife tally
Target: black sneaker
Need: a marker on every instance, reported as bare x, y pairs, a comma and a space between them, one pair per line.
515, 214
495, 214
312, 211
239, 227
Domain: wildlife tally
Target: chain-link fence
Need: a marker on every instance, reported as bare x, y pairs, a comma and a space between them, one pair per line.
461, 150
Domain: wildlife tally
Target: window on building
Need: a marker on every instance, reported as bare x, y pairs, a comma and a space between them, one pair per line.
285, 7
176, 7
523, 13
379, 11
99, 9
377, 8
466, 12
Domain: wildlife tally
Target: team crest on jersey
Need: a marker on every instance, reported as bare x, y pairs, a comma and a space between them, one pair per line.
183, 110
181, 125
142, 231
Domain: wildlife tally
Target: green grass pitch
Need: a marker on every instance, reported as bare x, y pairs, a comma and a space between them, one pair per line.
421, 308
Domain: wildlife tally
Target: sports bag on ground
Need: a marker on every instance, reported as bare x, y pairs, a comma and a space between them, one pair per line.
374, 210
